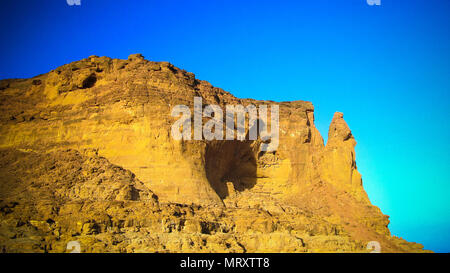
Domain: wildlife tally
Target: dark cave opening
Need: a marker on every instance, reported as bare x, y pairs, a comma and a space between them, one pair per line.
230, 161
89, 81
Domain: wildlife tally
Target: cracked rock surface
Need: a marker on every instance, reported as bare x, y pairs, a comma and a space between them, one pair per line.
86, 155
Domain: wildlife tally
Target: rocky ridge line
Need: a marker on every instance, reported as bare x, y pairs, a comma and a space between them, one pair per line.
86, 154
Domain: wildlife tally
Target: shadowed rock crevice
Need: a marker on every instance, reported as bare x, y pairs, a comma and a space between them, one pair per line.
230, 165
89, 81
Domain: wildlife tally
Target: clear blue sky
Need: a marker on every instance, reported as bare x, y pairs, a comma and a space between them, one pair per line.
386, 67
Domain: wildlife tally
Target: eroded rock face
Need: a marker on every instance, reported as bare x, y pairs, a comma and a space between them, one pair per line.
338, 165
86, 154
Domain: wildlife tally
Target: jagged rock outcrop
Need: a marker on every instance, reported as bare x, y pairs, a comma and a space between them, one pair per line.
338, 165
87, 155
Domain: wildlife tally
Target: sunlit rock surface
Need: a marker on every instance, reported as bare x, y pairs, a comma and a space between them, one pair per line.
86, 155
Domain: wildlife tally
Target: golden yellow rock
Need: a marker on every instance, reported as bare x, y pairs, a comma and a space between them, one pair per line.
86, 155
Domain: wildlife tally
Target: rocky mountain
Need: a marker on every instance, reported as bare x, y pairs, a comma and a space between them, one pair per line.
86, 155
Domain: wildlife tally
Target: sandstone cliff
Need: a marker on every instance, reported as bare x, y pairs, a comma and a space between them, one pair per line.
86, 155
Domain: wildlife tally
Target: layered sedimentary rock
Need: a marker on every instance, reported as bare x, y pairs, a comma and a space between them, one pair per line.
87, 155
